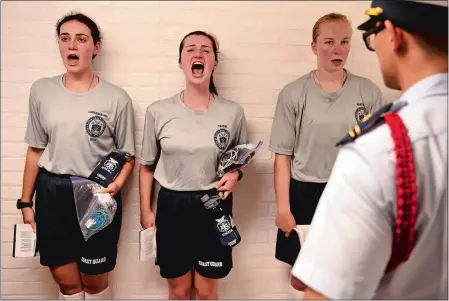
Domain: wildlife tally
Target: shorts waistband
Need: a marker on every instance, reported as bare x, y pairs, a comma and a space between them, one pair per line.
297, 182
49, 173
189, 192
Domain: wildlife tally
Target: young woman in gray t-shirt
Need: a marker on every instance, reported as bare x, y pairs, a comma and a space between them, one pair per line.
75, 120
183, 137
312, 114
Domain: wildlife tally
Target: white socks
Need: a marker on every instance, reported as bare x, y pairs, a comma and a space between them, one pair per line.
77, 296
104, 295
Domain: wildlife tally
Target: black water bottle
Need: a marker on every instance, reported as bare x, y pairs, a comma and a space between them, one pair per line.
108, 169
223, 223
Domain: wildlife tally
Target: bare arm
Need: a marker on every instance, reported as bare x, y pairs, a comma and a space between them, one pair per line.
127, 169
30, 172
310, 294
284, 218
121, 178
282, 182
146, 179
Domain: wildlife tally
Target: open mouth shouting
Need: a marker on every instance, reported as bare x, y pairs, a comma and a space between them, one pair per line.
73, 59
197, 69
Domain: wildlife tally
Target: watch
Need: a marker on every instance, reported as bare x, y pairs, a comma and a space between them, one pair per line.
21, 204
240, 175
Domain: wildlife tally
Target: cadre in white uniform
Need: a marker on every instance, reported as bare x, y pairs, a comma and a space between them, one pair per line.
350, 239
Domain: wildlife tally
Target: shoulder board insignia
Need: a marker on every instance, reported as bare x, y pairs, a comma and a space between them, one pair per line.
370, 122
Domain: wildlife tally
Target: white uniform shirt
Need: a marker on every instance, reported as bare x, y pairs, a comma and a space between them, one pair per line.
350, 239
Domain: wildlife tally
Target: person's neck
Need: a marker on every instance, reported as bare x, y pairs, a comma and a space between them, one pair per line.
80, 82
197, 97
413, 70
325, 76
330, 81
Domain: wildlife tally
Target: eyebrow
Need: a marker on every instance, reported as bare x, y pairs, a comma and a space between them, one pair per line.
201, 46
78, 34
333, 38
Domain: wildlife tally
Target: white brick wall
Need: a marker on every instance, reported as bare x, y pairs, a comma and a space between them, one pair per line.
264, 44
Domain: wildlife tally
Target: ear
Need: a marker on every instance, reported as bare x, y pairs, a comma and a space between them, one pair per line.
97, 48
215, 65
313, 46
395, 35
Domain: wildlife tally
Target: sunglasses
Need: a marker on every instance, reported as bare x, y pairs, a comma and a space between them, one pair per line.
370, 35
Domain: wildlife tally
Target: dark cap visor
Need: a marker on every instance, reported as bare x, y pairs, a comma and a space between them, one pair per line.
368, 25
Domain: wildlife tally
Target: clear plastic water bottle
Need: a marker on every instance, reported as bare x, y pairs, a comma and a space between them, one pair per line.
223, 223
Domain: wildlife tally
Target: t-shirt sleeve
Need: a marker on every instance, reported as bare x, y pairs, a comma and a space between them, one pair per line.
282, 139
349, 240
150, 143
241, 134
35, 135
124, 128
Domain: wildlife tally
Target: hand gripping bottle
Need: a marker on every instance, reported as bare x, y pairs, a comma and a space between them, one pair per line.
223, 223
108, 169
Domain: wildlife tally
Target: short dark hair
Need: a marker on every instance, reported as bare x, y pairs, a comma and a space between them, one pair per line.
437, 44
94, 29
215, 47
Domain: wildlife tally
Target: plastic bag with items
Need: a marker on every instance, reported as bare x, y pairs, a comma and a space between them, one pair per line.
95, 210
236, 157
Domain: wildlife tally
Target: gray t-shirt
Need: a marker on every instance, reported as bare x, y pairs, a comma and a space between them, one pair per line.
78, 129
186, 143
308, 122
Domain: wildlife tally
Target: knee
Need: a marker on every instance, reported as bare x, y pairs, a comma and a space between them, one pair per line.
70, 288
297, 284
96, 287
180, 293
206, 292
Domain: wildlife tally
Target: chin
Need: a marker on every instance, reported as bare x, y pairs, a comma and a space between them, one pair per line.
392, 84
76, 69
197, 81
390, 81
332, 69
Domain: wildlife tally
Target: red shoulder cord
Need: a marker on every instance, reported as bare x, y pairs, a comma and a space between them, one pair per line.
406, 190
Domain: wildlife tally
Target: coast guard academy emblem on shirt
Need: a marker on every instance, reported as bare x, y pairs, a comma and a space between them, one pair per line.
222, 137
360, 112
95, 126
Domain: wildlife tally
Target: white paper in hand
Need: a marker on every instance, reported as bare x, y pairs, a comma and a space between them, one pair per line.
302, 232
147, 243
24, 241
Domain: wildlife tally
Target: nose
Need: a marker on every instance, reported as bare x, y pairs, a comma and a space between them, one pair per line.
198, 53
338, 49
72, 44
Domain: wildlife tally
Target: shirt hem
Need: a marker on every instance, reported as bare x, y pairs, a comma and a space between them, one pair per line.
280, 151
130, 152
317, 278
35, 145
146, 162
